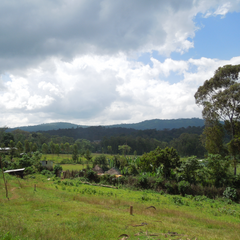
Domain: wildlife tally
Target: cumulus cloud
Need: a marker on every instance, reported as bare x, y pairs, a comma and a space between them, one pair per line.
71, 60
100, 90
31, 32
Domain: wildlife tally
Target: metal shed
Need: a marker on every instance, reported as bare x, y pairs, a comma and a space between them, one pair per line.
18, 172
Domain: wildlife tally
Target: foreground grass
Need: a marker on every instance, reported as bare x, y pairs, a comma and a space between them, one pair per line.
70, 210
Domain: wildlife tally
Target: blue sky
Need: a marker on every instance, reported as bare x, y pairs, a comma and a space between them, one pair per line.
106, 62
217, 37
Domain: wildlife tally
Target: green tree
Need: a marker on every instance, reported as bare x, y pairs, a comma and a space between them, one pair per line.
220, 97
45, 148
7, 137
83, 145
62, 147
75, 153
88, 155
19, 147
30, 147
100, 161
167, 158
12, 148
189, 169
26, 146
124, 148
52, 147
67, 146
218, 168
212, 138
2, 132
57, 149
34, 147
109, 148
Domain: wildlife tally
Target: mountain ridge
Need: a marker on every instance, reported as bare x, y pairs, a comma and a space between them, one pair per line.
158, 124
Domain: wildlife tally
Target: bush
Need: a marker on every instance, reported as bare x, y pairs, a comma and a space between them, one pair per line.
101, 161
171, 187
132, 170
57, 168
91, 176
159, 183
105, 179
29, 170
230, 193
25, 161
47, 173
184, 187
143, 182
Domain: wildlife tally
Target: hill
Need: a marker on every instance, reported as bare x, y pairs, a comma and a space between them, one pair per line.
158, 124
45, 127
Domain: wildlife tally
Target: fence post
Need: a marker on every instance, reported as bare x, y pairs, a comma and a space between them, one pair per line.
131, 210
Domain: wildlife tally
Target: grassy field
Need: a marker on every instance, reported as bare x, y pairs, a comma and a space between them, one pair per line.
60, 157
67, 209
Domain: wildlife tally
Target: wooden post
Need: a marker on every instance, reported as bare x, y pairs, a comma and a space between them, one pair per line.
4, 178
131, 210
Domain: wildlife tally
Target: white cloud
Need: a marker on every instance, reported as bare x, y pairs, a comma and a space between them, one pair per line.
105, 90
70, 60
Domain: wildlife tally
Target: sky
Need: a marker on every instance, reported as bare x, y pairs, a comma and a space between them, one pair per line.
102, 62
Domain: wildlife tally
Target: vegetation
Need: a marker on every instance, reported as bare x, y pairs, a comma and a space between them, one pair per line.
71, 210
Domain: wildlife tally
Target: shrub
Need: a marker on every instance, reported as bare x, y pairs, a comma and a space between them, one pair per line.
143, 182
171, 187
91, 176
25, 161
230, 193
57, 168
132, 170
29, 170
184, 187
178, 201
105, 179
47, 173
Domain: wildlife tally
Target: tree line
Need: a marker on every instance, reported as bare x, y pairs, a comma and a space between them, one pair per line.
186, 141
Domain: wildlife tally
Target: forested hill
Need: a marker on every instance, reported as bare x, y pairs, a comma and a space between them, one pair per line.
158, 124
45, 127
98, 133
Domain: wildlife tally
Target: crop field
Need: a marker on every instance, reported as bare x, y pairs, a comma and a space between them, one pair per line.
39, 208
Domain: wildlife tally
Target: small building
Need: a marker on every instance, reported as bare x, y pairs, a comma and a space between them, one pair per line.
7, 149
98, 170
47, 164
113, 171
18, 172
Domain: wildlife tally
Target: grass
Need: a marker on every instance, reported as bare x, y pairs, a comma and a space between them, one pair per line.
74, 166
68, 209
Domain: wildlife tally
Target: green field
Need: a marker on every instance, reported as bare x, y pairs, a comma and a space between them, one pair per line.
68, 209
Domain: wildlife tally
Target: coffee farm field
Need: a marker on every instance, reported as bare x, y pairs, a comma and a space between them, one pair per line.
43, 208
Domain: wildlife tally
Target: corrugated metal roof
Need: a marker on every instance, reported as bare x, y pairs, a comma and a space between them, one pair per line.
15, 170
7, 149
